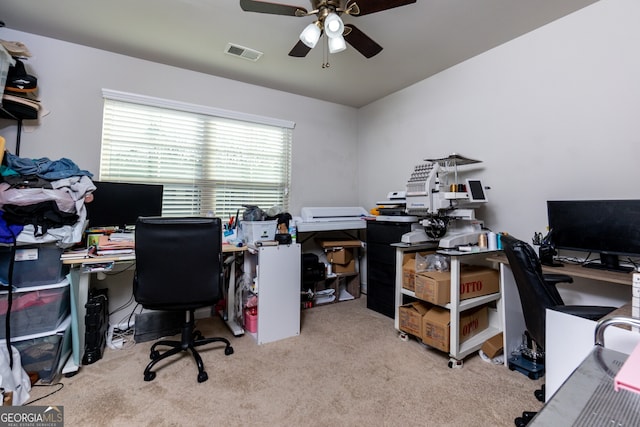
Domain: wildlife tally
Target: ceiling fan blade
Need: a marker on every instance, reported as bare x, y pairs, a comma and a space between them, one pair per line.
361, 42
272, 8
300, 50
373, 6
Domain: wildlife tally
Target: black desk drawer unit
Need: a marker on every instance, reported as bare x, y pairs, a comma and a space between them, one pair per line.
381, 269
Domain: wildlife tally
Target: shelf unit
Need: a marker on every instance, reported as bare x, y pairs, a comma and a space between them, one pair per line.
350, 282
457, 351
277, 270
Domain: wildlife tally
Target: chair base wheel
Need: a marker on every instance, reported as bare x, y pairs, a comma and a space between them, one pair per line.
202, 377
455, 363
228, 351
526, 417
149, 376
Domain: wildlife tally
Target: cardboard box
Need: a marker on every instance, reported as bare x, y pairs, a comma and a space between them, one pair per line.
340, 256
433, 286
475, 281
411, 317
341, 253
347, 268
409, 269
436, 326
493, 346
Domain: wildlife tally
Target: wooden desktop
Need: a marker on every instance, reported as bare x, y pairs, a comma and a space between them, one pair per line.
576, 270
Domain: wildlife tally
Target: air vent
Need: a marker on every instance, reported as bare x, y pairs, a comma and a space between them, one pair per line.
242, 52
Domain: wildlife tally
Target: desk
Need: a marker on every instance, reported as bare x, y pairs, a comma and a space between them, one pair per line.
575, 270
514, 321
79, 282
563, 350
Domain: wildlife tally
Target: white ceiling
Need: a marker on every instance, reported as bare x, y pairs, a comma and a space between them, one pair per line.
419, 39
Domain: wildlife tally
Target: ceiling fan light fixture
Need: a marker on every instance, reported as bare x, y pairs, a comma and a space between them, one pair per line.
333, 26
310, 35
337, 44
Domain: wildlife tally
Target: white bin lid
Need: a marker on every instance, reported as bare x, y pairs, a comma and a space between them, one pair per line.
61, 328
61, 284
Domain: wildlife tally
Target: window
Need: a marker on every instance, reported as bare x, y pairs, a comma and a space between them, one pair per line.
208, 160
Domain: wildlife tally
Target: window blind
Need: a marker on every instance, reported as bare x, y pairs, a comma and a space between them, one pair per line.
208, 160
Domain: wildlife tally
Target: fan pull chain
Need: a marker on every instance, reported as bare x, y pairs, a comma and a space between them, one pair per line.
325, 53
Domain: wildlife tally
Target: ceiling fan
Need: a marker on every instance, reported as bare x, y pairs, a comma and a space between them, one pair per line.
328, 21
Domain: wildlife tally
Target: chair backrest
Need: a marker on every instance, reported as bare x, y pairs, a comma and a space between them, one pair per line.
535, 294
178, 262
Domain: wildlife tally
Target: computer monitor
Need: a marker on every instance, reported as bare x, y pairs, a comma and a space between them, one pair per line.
119, 204
609, 228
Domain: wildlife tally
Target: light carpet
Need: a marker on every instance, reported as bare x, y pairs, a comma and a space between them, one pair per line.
347, 368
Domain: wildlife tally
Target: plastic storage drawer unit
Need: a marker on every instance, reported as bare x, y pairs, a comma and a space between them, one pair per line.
35, 309
34, 265
45, 353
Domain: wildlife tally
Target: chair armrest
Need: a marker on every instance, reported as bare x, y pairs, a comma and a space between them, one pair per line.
555, 278
591, 312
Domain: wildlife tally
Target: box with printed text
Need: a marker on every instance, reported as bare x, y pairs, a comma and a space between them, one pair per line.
437, 321
475, 281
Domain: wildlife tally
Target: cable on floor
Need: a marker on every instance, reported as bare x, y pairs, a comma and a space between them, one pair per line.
46, 395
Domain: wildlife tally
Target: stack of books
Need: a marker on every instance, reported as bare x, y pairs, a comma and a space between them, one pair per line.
80, 253
116, 244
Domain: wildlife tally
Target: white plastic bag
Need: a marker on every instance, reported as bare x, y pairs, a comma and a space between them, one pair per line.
16, 379
431, 262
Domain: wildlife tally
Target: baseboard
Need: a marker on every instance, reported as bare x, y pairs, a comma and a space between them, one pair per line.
203, 313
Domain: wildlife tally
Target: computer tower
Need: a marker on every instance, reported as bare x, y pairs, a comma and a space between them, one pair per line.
96, 325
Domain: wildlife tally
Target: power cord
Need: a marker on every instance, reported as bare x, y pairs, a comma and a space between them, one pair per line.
118, 339
46, 395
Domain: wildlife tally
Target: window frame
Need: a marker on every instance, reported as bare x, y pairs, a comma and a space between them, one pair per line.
224, 195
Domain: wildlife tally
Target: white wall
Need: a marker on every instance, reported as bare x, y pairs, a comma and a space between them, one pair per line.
71, 78
70, 81
552, 115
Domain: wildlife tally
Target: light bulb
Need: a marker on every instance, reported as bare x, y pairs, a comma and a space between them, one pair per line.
333, 25
337, 44
310, 35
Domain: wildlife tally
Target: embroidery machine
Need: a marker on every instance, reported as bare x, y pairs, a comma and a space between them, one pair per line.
446, 209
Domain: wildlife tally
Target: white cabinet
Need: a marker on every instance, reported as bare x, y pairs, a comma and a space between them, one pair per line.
457, 350
276, 270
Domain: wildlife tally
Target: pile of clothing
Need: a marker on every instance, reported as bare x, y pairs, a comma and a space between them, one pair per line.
43, 200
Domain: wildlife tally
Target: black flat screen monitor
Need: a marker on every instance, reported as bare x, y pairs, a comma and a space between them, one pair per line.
119, 204
610, 228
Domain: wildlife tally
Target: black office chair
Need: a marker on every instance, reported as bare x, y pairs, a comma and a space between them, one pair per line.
179, 268
538, 292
